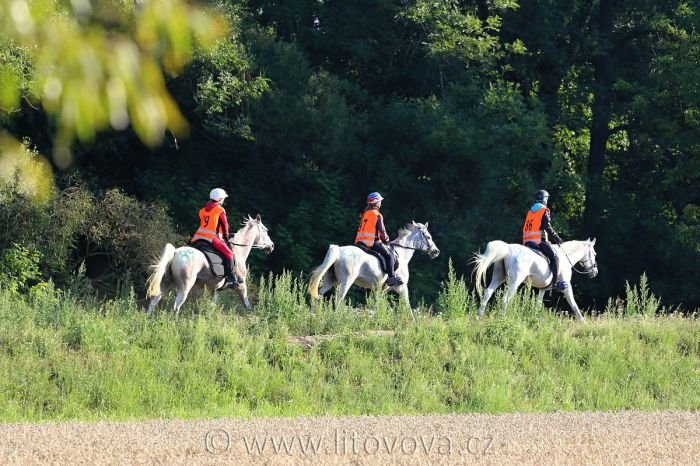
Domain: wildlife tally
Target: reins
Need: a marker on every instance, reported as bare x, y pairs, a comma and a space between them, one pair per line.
394, 243
573, 267
405, 247
254, 246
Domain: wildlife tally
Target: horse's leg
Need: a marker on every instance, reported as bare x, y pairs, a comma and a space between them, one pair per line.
402, 290
328, 283
540, 295
569, 293
499, 276
242, 291
153, 303
514, 281
165, 285
344, 288
183, 290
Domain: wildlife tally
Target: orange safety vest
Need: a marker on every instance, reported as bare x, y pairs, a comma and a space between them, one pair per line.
367, 231
532, 228
208, 223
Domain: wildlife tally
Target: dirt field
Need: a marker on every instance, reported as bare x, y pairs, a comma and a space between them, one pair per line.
562, 438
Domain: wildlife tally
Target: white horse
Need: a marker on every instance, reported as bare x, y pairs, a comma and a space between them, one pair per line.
186, 266
518, 263
350, 265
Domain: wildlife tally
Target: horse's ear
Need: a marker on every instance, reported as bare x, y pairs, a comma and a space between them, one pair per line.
426, 225
593, 242
413, 222
257, 218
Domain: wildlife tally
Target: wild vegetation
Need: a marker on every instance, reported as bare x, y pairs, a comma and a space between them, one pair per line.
68, 355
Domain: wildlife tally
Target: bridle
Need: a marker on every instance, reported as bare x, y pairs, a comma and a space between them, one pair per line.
588, 265
254, 245
425, 245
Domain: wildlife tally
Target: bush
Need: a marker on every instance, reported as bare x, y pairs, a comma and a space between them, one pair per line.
113, 237
19, 267
639, 300
454, 299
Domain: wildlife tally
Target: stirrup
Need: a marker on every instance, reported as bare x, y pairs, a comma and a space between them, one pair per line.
561, 285
394, 281
230, 282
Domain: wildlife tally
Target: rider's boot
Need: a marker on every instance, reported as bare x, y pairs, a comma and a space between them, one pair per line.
232, 279
394, 281
557, 285
560, 285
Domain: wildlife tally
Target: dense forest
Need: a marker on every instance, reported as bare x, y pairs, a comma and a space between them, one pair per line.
456, 111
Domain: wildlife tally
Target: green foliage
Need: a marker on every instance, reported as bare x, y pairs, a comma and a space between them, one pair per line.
15, 76
127, 230
102, 68
639, 300
227, 89
19, 266
454, 299
280, 297
460, 30
64, 358
111, 237
23, 171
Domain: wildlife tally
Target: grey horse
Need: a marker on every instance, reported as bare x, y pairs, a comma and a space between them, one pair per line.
350, 265
186, 266
516, 263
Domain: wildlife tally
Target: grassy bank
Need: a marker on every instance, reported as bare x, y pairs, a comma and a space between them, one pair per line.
67, 358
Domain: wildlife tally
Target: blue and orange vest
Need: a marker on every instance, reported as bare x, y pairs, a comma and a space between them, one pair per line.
532, 228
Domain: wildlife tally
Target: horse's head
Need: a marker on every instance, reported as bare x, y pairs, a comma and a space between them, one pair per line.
262, 239
590, 266
420, 239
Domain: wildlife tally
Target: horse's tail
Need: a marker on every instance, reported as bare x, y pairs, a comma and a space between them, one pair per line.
160, 268
495, 251
332, 255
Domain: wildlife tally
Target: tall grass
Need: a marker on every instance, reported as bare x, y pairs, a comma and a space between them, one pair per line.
67, 356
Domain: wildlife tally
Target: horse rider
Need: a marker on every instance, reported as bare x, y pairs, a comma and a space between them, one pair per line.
372, 234
213, 226
538, 232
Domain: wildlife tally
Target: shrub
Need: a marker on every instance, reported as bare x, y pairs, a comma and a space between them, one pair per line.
113, 236
19, 267
454, 299
639, 300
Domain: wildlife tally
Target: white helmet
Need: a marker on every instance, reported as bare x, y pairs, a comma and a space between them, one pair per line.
217, 194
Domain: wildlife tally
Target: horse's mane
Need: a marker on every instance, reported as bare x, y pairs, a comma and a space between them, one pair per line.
571, 245
406, 230
247, 221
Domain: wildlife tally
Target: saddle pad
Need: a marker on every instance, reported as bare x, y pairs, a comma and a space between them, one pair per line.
538, 252
216, 262
374, 253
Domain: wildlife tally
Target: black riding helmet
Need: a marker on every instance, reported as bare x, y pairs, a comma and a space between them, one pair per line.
542, 196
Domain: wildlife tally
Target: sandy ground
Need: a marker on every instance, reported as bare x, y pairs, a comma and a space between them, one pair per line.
560, 438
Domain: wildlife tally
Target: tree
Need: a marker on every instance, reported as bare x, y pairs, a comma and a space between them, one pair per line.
94, 66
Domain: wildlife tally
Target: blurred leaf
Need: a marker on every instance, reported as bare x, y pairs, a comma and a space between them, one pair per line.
27, 171
101, 64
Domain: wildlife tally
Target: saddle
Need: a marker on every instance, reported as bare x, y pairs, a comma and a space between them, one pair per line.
216, 262
382, 263
538, 252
